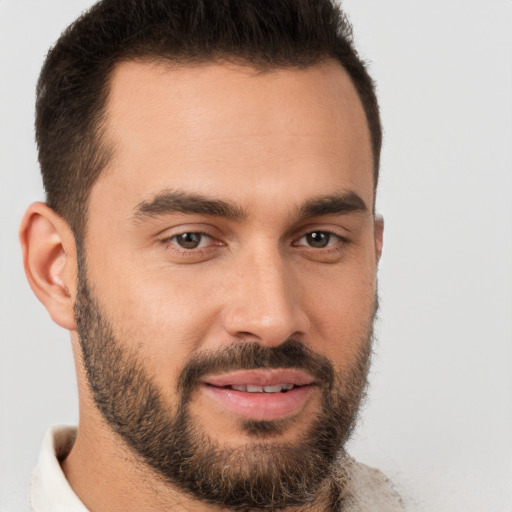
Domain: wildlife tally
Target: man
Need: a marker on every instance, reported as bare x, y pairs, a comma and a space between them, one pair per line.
209, 239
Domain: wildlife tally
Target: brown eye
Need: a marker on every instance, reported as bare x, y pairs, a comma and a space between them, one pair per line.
318, 239
189, 240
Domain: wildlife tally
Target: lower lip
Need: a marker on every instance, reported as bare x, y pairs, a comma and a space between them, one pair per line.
261, 406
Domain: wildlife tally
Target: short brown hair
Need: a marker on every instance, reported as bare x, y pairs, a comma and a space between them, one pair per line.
73, 86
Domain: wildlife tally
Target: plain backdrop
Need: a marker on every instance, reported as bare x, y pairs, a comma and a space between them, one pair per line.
439, 415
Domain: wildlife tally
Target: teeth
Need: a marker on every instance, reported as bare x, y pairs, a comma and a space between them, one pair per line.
272, 389
261, 389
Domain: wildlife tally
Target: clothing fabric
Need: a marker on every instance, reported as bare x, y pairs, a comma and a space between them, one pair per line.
49, 489
365, 489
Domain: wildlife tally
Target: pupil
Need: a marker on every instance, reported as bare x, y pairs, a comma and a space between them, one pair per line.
318, 239
189, 240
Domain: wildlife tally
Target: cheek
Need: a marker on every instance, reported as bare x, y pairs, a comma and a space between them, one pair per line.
161, 315
341, 311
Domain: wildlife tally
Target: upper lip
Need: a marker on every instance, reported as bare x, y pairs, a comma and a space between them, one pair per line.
261, 377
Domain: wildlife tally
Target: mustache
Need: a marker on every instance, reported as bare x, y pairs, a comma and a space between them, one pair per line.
251, 356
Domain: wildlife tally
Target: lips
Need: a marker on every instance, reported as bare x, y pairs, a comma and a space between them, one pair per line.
262, 394
261, 378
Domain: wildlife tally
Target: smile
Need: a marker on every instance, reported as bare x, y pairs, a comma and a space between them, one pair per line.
261, 395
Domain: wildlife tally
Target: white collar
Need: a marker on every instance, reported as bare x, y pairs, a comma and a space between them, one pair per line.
49, 489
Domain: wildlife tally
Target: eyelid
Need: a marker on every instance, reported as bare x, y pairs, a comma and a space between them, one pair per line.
188, 227
210, 240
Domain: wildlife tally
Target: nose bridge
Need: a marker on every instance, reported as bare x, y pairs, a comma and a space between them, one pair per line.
265, 304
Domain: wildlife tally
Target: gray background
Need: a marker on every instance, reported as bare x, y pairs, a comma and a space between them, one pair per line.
439, 416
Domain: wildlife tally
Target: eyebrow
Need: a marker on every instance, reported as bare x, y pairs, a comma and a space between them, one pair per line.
338, 204
170, 201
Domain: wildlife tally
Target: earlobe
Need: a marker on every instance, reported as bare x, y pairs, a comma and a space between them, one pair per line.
49, 258
379, 236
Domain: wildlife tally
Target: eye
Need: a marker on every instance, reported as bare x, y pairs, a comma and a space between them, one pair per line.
319, 239
190, 240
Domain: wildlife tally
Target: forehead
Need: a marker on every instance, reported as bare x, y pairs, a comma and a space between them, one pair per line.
225, 129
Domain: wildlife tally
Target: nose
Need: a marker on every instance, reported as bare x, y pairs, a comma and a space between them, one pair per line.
265, 302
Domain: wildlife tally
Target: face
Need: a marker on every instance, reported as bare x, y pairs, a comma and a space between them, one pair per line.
227, 284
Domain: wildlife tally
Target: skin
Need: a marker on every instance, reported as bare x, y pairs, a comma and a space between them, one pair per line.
265, 142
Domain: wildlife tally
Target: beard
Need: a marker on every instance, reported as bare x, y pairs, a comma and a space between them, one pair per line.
264, 474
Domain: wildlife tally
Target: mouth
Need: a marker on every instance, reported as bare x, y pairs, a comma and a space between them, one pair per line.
279, 388
262, 394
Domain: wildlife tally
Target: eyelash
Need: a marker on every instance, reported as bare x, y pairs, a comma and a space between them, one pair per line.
172, 242
169, 242
340, 239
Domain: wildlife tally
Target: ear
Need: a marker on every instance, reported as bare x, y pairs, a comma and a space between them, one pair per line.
379, 236
49, 258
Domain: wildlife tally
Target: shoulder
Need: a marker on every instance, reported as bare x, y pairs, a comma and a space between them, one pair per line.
366, 488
